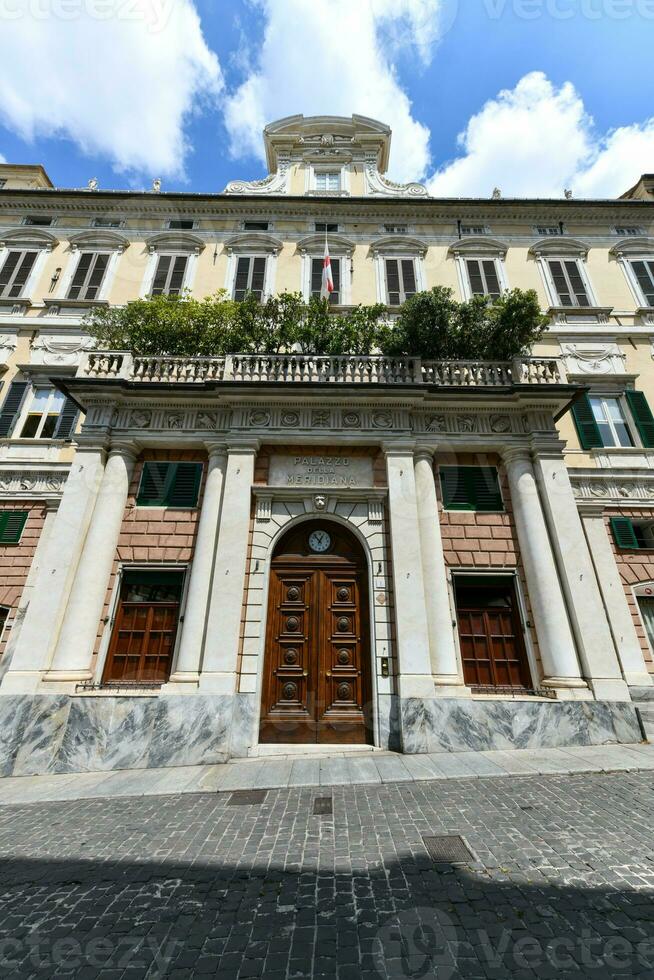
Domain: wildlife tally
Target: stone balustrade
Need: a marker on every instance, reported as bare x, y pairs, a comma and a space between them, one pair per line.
318, 369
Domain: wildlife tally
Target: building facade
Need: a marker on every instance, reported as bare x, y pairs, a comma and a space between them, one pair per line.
203, 556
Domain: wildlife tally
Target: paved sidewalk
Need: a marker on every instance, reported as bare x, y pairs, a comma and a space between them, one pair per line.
339, 769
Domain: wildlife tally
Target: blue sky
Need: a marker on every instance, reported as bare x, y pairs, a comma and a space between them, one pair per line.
529, 95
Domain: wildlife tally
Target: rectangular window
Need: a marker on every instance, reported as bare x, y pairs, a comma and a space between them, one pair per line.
396, 229
549, 230
39, 220
250, 277
643, 270
400, 280
3, 182
43, 414
568, 282
15, 272
169, 277
316, 279
474, 230
610, 420
89, 275
328, 180
256, 226
632, 535
169, 485
625, 231
646, 607
326, 226
12, 524
103, 222
483, 278
181, 224
471, 488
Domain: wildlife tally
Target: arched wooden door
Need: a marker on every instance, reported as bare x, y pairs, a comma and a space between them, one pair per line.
316, 683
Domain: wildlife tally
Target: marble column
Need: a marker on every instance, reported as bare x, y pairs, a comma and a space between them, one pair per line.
446, 670
597, 653
187, 669
615, 601
415, 678
555, 639
34, 647
72, 658
218, 671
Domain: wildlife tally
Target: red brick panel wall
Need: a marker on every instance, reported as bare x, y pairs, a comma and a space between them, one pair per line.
635, 568
16, 559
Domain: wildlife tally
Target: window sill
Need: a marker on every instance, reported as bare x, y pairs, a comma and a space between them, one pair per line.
623, 457
56, 305
580, 314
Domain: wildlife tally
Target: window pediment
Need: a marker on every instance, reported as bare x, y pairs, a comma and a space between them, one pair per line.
560, 246
254, 242
99, 239
175, 241
398, 245
316, 243
479, 245
633, 246
28, 238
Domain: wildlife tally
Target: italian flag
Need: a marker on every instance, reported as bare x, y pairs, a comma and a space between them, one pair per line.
327, 282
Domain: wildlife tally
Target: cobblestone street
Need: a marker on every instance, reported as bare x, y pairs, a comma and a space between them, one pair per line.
560, 883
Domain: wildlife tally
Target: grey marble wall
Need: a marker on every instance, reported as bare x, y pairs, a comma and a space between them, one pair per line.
58, 733
466, 725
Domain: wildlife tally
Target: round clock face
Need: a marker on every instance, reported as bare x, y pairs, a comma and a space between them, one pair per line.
319, 541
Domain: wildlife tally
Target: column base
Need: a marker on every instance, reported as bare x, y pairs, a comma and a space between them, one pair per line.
568, 688
450, 686
21, 682
638, 680
182, 682
213, 682
416, 686
65, 681
609, 689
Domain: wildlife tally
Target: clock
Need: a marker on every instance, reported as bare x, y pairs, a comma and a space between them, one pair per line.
320, 541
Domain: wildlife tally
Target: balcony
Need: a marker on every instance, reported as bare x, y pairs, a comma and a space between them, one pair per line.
318, 369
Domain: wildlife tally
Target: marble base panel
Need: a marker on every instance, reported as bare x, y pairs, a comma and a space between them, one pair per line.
467, 725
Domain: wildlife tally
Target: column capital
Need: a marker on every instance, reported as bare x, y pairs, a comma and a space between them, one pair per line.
516, 454
124, 447
424, 452
215, 449
242, 445
405, 447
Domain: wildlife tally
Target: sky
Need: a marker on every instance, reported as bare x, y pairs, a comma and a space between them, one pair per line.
531, 96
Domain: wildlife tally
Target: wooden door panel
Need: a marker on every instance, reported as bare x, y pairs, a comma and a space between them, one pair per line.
143, 641
490, 635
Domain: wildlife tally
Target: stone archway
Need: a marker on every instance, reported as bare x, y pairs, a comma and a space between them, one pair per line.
317, 685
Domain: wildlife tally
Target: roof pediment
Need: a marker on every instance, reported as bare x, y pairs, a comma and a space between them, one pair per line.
300, 135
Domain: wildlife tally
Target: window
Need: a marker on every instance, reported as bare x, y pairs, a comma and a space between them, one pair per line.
610, 420
396, 229
316, 279
471, 488
646, 607
483, 278
169, 277
326, 226
624, 231
89, 275
256, 226
601, 421
568, 282
43, 414
549, 230
12, 524
169, 485
103, 222
39, 220
643, 270
400, 280
181, 224
474, 230
250, 276
328, 180
633, 535
3, 182
15, 272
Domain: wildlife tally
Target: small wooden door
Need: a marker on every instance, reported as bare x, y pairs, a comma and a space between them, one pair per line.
316, 675
490, 631
145, 627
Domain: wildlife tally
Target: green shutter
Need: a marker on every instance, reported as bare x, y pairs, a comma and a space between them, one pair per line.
642, 416
12, 523
169, 485
588, 431
624, 534
471, 488
67, 420
11, 406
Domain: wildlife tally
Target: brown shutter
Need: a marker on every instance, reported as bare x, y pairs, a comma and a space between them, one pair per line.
79, 278
393, 282
408, 277
258, 277
644, 272
177, 275
316, 276
161, 275
475, 278
560, 283
492, 279
242, 275
336, 279
577, 283
97, 275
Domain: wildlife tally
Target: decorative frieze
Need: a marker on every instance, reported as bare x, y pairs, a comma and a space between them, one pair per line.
612, 489
38, 484
593, 358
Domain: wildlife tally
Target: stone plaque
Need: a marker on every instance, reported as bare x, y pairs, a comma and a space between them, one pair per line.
337, 472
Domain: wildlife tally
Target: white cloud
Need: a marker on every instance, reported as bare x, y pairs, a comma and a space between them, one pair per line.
336, 58
118, 77
536, 140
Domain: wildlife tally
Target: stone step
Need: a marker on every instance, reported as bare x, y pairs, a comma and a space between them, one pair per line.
646, 712
311, 751
639, 694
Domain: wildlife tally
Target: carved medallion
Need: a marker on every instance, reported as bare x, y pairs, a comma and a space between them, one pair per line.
343, 625
382, 420
290, 657
206, 420
259, 418
140, 420
343, 657
289, 692
343, 594
320, 420
500, 423
290, 419
344, 692
292, 624
436, 423
293, 594
351, 420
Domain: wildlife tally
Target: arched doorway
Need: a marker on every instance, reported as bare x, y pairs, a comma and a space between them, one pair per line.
316, 676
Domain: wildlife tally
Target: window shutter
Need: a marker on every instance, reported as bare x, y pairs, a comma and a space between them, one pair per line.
97, 275
642, 415
455, 495
81, 271
11, 406
336, 278
492, 279
316, 276
393, 282
474, 277
155, 480
12, 523
644, 272
242, 275
22, 273
408, 277
177, 275
577, 283
588, 431
258, 277
471, 488
560, 283
185, 486
161, 275
8, 269
67, 419
624, 534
